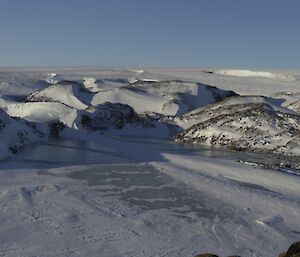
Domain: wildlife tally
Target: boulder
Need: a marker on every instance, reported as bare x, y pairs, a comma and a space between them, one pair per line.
293, 251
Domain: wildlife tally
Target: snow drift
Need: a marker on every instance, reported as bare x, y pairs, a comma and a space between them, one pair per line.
257, 74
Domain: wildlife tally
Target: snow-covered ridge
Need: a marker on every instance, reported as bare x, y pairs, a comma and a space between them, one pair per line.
105, 100
250, 73
66, 92
174, 197
164, 97
244, 123
146, 95
15, 134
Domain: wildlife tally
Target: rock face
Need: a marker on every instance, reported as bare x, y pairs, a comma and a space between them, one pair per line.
244, 123
293, 251
108, 115
15, 134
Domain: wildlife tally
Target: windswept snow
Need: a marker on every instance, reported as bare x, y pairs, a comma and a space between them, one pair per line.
41, 112
176, 205
60, 92
250, 73
164, 97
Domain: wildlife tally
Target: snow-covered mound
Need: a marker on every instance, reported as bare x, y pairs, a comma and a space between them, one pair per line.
250, 73
39, 112
66, 92
15, 134
224, 107
244, 123
164, 97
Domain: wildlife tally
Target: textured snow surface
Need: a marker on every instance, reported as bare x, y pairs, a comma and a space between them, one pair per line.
175, 204
97, 171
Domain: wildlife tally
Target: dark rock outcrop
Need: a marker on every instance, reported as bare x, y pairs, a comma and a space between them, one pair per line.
252, 124
108, 115
293, 251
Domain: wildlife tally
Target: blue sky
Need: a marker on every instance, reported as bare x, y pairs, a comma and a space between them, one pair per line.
150, 33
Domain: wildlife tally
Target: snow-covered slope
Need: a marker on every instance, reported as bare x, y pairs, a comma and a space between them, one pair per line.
141, 101
244, 123
164, 97
39, 112
21, 82
135, 192
65, 92
15, 134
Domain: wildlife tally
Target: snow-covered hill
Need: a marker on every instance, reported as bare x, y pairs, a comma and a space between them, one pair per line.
164, 97
244, 123
155, 100
39, 112
107, 176
66, 92
15, 134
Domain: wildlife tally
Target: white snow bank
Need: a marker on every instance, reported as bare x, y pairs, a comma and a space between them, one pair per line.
42, 112
164, 97
62, 93
250, 73
138, 100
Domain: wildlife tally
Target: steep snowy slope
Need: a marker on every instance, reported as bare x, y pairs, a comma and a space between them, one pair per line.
15, 134
141, 101
66, 92
244, 123
39, 112
164, 97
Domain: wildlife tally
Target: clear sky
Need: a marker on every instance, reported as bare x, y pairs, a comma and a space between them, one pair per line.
150, 33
